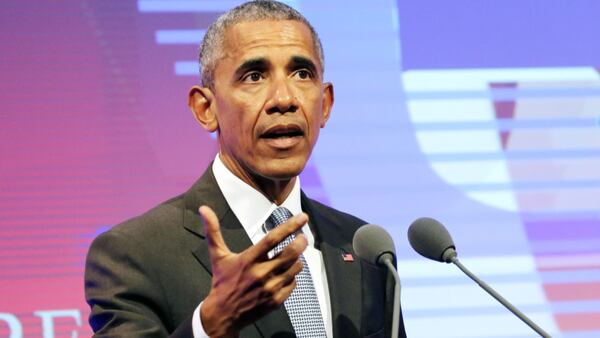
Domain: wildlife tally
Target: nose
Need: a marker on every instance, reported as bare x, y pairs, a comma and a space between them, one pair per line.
282, 98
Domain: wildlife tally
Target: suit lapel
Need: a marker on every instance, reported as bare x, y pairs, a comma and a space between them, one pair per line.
207, 192
233, 233
343, 277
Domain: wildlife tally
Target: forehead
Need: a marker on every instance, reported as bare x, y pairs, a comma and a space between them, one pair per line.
257, 38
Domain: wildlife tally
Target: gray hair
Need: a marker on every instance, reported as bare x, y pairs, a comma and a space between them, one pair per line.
211, 48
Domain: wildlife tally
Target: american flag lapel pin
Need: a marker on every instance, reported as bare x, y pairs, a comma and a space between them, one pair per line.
346, 256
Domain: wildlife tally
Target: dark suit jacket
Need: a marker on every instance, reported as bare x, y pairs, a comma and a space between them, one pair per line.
146, 276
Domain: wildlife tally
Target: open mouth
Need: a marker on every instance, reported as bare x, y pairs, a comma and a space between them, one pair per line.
281, 131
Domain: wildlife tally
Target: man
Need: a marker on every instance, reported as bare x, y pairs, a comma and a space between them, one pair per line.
224, 259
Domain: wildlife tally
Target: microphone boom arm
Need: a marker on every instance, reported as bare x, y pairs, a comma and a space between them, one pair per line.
452, 257
388, 260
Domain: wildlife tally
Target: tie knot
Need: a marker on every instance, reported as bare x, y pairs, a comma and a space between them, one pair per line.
279, 215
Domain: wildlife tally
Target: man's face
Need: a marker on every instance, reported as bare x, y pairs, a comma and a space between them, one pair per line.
269, 99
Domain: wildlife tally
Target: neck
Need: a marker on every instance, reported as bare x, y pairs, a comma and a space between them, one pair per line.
276, 190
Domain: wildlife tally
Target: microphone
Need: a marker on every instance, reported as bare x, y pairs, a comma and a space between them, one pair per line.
374, 245
431, 239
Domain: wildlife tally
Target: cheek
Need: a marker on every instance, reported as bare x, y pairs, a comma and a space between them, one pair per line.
237, 120
316, 112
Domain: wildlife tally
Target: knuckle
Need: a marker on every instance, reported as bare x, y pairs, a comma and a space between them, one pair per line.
271, 240
292, 286
298, 266
243, 264
302, 239
288, 225
269, 290
300, 242
255, 275
278, 299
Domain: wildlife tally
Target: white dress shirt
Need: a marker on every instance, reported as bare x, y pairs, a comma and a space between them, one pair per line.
252, 210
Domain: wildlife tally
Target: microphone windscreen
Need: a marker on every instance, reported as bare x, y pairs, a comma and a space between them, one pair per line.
371, 241
430, 238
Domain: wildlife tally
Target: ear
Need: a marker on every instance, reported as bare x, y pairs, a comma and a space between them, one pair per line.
327, 102
201, 103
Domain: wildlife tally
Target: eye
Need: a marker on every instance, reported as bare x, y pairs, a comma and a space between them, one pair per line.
304, 74
252, 77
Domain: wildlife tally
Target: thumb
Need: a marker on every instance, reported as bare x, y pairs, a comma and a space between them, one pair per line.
216, 244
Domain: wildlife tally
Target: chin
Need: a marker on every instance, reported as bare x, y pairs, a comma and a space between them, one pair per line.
282, 169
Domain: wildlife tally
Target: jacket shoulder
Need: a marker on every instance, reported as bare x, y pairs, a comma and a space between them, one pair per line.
159, 219
337, 215
332, 221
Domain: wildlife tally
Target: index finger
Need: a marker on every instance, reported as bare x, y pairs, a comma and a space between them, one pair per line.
216, 243
275, 236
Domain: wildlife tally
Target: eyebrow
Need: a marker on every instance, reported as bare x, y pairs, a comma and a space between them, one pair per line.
260, 64
298, 62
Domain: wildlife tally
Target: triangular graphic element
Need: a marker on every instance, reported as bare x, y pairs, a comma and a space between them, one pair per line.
504, 110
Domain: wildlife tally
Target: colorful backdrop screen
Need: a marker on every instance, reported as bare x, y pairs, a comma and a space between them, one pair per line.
482, 114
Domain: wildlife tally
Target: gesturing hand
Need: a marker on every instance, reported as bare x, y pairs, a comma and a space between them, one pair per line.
248, 285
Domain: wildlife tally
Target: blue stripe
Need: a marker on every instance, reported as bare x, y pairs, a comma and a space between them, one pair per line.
186, 68
34, 255
42, 276
46, 237
50, 246
190, 36
581, 334
532, 185
185, 6
518, 155
480, 310
504, 94
25, 266
566, 246
581, 306
510, 124
40, 226
569, 215
460, 280
571, 276
193, 6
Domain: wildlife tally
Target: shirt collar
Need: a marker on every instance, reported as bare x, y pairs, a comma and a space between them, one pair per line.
250, 206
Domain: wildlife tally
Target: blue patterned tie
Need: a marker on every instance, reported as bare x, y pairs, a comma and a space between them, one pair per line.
302, 305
